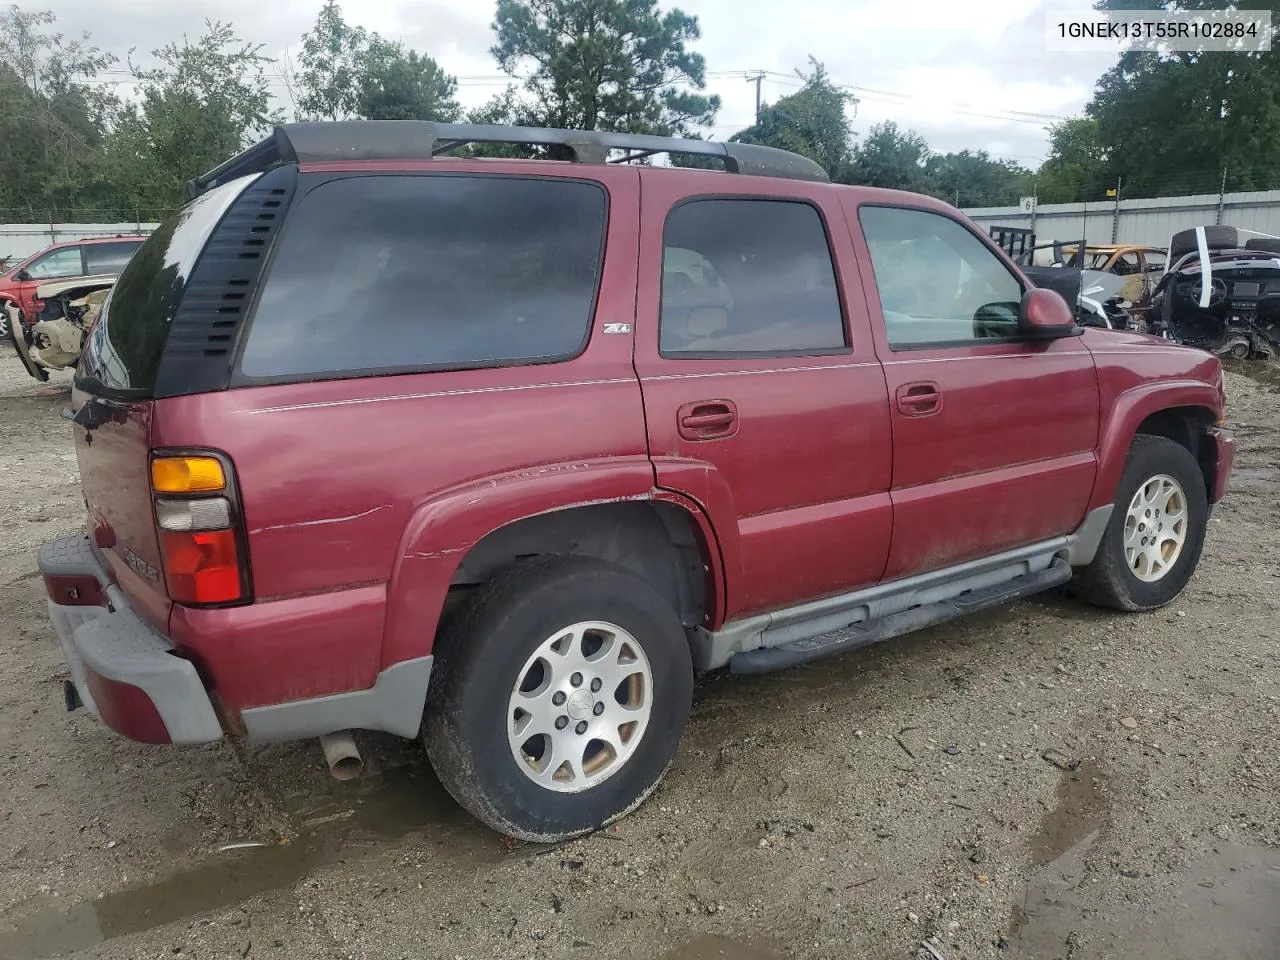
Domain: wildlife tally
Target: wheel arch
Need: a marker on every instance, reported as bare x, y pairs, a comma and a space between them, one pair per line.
1184, 412
1188, 427
609, 510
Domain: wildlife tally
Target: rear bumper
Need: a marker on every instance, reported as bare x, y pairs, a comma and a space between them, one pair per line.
125, 672
131, 677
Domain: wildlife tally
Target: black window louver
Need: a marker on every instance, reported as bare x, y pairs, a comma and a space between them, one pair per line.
202, 336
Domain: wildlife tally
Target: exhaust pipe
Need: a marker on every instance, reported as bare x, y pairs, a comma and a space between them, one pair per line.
341, 754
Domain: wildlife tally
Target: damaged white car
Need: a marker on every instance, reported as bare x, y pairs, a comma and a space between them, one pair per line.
54, 340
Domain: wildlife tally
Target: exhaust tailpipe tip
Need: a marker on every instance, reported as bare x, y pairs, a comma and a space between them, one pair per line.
342, 755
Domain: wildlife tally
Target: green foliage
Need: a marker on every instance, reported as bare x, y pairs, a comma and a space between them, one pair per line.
349, 73
893, 158
52, 117
400, 84
1079, 165
972, 179
811, 122
332, 61
205, 101
618, 65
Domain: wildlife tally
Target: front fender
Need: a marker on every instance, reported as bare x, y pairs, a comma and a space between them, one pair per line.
443, 529
1129, 410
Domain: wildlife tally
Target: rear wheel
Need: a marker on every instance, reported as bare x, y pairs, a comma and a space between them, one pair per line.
1156, 533
558, 696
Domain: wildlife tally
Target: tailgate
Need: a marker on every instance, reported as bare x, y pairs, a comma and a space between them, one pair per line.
113, 440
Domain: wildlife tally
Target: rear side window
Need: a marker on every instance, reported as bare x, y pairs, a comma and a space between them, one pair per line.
122, 353
748, 277
381, 274
108, 258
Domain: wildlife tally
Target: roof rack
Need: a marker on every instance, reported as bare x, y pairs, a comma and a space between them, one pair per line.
423, 139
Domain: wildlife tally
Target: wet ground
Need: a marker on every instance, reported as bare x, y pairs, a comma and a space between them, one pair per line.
1045, 781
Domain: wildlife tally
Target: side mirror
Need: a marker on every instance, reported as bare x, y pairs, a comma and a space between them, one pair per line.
23, 275
1044, 315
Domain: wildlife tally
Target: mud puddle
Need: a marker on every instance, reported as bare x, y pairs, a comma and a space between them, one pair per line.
357, 816
1222, 905
1042, 924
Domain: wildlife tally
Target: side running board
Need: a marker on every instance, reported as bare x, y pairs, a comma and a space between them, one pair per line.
856, 635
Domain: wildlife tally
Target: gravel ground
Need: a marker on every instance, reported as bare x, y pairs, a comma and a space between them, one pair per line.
860, 807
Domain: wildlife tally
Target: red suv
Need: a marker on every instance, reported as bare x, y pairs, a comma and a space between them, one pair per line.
505, 452
81, 258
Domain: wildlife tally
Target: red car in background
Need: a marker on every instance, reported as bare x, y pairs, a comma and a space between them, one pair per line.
105, 256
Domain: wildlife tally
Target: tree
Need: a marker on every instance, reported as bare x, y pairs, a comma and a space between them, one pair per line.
52, 117
972, 179
1173, 122
332, 61
203, 103
1078, 167
400, 84
893, 158
348, 73
811, 122
618, 65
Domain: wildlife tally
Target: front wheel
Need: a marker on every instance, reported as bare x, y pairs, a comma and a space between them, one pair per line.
558, 697
1156, 533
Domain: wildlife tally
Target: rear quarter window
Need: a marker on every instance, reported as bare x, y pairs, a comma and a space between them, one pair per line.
122, 352
393, 273
108, 258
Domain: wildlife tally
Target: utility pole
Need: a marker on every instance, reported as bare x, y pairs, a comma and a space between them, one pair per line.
757, 80
1222, 196
1035, 202
1115, 213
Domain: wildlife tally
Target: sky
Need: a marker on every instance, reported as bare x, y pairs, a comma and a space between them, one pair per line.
966, 74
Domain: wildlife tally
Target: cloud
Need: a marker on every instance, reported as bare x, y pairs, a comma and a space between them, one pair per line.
971, 74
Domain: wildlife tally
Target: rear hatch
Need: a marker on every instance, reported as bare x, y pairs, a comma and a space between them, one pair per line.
112, 399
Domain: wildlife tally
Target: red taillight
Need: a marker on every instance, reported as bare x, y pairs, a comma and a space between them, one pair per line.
201, 567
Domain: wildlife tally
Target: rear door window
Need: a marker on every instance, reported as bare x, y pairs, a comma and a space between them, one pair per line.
108, 258
748, 277
393, 273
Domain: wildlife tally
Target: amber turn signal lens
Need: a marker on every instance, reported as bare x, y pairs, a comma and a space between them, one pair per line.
187, 475
201, 567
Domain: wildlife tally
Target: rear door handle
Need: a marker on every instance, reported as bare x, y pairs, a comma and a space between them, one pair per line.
919, 399
708, 420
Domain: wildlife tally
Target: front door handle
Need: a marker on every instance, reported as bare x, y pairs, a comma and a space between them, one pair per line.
919, 399
708, 420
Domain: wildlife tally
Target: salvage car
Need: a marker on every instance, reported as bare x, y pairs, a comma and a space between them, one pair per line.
1139, 266
78, 259
1221, 293
606, 426
67, 311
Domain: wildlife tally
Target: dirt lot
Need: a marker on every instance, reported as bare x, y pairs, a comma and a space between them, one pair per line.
856, 808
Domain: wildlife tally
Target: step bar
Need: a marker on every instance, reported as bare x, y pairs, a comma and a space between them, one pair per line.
768, 659
937, 591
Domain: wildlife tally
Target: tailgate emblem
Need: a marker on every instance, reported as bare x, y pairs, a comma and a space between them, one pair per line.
617, 328
140, 566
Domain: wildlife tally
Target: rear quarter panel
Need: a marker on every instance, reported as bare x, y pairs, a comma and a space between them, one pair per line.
361, 496
1138, 376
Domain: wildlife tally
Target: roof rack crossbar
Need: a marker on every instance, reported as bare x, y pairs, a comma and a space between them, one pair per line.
442, 148
422, 139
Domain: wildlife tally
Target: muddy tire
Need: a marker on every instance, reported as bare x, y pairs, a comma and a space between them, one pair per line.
558, 696
1153, 542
